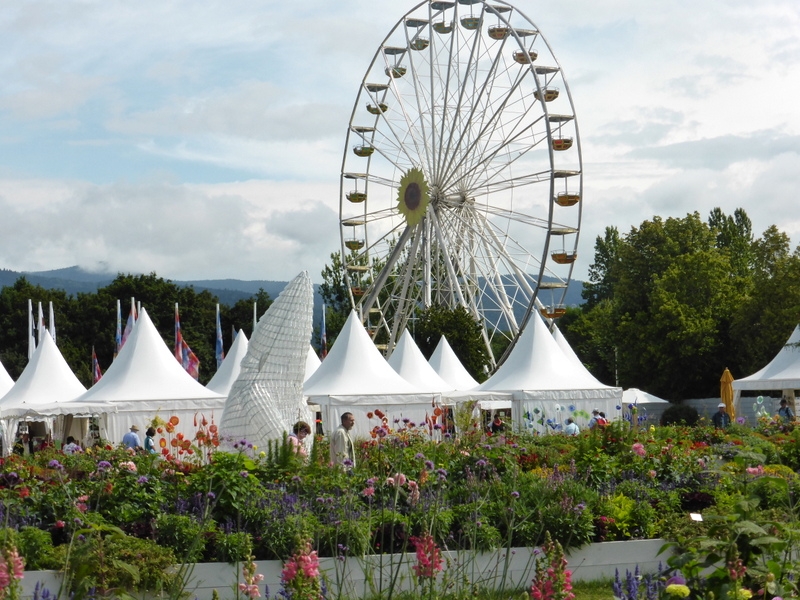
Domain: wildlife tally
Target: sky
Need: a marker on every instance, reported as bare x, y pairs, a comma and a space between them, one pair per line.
204, 139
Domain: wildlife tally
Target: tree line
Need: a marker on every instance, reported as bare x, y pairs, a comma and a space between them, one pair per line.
667, 306
88, 320
673, 302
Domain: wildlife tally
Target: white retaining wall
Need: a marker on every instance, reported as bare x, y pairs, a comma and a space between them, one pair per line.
357, 578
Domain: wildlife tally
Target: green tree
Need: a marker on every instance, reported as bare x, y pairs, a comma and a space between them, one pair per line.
602, 271
463, 333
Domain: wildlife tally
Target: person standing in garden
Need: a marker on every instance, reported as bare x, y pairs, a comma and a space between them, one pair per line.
131, 439
149, 442
572, 427
593, 420
299, 433
342, 449
721, 419
785, 412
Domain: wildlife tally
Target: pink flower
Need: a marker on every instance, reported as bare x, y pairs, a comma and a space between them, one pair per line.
289, 571
639, 449
390, 481
401, 479
369, 491
759, 470
652, 473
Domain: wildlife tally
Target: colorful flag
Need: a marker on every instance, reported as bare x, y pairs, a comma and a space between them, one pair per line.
118, 334
220, 350
97, 374
129, 324
189, 360
184, 354
31, 330
323, 338
52, 322
40, 326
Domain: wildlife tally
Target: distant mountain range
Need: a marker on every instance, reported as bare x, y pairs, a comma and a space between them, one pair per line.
75, 279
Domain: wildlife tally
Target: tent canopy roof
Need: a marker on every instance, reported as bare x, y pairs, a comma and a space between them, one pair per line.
407, 360
354, 366
228, 371
446, 364
145, 369
782, 372
538, 363
47, 378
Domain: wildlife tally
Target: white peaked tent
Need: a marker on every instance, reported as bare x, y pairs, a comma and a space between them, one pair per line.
312, 362
266, 400
229, 370
6, 382
567, 349
782, 372
639, 397
145, 381
355, 378
546, 383
47, 379
407, 360
446, 364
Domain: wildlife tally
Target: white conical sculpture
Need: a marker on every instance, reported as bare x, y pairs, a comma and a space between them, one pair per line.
446, 364
407, 360
273, 369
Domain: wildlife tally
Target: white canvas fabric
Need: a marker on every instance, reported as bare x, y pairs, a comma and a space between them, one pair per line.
637, 396
46, 379
408, 362
145, 381
312, 362
446, 364
231, 366
354, 377
6, 383
782, 372
354, 366
273, 369
546, 384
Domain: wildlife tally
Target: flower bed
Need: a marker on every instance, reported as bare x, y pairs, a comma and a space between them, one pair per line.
411, 498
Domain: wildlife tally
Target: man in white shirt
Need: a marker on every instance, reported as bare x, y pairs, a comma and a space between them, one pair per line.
571, 428
342, 450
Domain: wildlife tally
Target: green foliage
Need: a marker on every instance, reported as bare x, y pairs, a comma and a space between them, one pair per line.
184, 535
36, 547
680, 414
232, 547
89, 320
104, 559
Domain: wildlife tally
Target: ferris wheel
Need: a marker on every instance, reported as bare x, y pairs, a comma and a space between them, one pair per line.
461, 180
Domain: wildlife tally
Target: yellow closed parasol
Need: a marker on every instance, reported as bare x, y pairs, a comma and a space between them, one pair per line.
726, 392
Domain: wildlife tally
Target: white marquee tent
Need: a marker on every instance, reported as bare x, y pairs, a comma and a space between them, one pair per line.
145, 381
408, 362
229, 370
6, 382
312, 362
546, 384
782, 372
446, 364
46, 380
354, 377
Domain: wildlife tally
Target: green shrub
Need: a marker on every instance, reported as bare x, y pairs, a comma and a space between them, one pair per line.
36, 547
680, 414
182, 534
232, 547
107, 561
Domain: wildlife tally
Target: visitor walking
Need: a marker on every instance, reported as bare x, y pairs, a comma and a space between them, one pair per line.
721, 419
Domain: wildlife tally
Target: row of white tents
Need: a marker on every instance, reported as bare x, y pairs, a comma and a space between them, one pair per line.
264, 385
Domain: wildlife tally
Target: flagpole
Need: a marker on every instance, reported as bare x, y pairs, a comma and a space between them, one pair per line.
52, 322
31, 339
